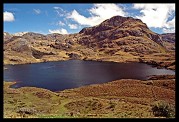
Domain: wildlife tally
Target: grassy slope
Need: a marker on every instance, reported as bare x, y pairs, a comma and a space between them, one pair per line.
117, 99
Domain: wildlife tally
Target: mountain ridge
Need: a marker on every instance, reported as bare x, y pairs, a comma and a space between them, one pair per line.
118, 39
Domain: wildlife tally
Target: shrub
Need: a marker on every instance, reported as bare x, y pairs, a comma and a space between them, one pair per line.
162, 108
111, 105
25, 110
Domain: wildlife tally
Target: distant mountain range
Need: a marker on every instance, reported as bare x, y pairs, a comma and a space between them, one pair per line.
170, 37
118, 39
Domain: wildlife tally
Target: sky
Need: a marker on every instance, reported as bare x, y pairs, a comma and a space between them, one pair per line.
71, 18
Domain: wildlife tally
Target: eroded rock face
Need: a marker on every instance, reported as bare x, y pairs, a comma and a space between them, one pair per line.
155, 37
21, 45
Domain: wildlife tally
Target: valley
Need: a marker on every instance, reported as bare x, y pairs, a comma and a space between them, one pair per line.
118, 39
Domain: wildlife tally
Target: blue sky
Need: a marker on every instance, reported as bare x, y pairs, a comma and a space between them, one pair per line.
71, 18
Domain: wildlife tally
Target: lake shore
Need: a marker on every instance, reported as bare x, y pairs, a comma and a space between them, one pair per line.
123, 98
159, 60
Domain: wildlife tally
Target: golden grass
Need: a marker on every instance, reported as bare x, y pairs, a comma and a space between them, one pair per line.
125, 98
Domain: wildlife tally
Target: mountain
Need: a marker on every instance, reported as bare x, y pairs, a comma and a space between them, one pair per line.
7, 36
168, 41
118, 39
170, 37
19, 33
123, 33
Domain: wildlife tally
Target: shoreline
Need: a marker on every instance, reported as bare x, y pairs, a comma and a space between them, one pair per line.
105, 100
100, 60
101, 100
152, 77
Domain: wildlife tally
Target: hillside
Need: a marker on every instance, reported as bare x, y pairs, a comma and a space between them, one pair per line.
169, 41
123, 98
170, 37
118, 39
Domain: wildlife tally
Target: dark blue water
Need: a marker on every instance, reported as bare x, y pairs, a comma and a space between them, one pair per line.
61, 75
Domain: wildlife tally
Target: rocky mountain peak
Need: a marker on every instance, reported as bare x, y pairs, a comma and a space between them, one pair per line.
116, 22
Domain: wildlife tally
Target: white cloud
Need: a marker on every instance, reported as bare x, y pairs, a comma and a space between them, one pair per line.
106, 10
56, 7
60, 31
157, 15
19, 33
99, 13
60, 23
169, 27
73, 26
168, 30
171, 23
60, 12
8, 16
37, 11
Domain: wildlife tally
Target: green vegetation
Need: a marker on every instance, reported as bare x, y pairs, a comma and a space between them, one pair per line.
118, 99
162, 108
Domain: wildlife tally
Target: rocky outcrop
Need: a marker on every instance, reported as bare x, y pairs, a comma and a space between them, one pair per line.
38, 54
73, 55
155, 37
63, 46
21, 45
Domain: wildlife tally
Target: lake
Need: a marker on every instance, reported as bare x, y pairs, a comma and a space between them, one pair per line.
57, 76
